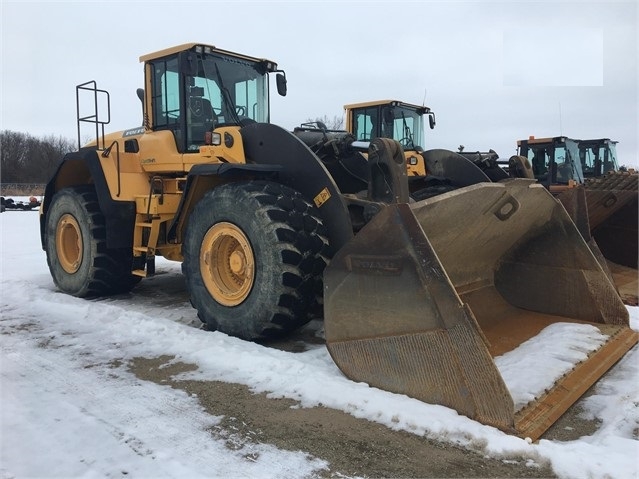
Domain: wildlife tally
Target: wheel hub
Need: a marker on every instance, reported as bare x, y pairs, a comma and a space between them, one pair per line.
237, 263
68, 243
227, 264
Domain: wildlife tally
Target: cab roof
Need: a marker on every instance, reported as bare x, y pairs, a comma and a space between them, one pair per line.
189, 46
351, 106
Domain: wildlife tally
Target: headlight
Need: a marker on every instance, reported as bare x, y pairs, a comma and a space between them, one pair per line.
212, 138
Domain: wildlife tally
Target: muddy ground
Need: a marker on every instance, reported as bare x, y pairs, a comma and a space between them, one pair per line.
353, 447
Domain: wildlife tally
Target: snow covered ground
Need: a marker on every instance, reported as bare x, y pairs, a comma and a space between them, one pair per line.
71, 408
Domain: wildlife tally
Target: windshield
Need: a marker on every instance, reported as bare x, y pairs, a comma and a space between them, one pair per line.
235, 88
556, 162
400, 123
220, 90
406, 126
598, 158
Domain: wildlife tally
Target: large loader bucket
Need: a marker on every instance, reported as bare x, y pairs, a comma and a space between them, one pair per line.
427, 294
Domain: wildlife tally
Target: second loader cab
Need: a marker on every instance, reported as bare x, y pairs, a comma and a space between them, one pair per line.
598, 157
389, 119
554, 160
394, 119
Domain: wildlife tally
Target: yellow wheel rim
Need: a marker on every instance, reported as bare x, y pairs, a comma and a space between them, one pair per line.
227, 264
68, 243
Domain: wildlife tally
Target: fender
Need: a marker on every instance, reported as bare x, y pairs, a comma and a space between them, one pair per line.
302, 170
454, 167
83, 167
222, 170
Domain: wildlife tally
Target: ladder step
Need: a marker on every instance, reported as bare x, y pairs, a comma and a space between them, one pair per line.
148, 250
139, 272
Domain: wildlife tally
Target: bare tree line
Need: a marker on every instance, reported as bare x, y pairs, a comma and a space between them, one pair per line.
336, 123
25, 159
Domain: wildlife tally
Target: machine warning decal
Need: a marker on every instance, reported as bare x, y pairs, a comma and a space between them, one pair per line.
322, 197
133, 131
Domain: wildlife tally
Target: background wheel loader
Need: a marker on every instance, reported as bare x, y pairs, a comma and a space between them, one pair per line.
429, 173
417, 297
603, 199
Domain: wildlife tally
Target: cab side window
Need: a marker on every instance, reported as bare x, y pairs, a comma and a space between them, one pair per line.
365, 128
166, 97
166, 93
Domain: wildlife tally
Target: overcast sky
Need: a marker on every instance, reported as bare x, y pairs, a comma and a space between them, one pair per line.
493, 72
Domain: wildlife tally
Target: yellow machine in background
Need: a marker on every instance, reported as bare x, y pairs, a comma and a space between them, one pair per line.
394, 119
583, 174
272, 231
430, 171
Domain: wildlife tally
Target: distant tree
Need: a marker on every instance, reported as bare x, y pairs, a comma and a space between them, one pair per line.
27, 159
337, 123
12, 150
54, 148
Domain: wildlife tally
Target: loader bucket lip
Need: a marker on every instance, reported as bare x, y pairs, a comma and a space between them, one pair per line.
534, 419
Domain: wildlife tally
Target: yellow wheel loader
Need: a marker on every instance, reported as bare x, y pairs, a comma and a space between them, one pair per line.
432, 171
417, 297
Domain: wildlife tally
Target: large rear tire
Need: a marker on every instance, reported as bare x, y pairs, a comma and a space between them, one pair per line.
253, 259
75, 242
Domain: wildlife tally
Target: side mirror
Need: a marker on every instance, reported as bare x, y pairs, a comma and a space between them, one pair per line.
431, 120
140, 93
280, 80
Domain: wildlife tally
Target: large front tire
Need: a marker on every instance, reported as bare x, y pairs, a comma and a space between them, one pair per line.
253, 259
75, 242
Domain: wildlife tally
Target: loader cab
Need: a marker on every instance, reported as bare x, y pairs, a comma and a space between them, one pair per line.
193, 89
389, 119
554, 160
598, 157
